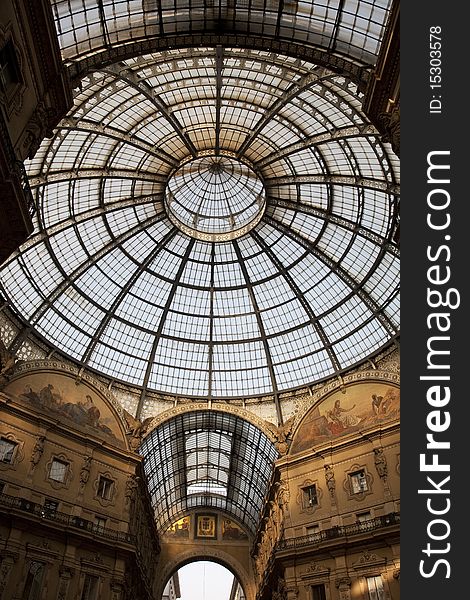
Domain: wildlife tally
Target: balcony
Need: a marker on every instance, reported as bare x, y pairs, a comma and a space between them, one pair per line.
340, 531
66, 521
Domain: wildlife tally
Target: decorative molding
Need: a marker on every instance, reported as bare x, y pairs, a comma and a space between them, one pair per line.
111, 501
368, 560
301, 493
13, 103
315, 571
268, 429
79, 68
58, 485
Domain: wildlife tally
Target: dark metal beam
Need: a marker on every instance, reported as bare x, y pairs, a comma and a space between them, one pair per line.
351, 180
342, 273
124, 291
267, 351
301, 298
74, 220
321, 138
71, 174
211, 323
219, 59
120, 71
161, 324
81, 66
302, 84
77, 124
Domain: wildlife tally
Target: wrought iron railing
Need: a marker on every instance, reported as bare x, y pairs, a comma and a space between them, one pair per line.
50, 514
340, 531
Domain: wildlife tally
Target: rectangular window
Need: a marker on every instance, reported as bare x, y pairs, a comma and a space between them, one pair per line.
90, 588
50, 508
105, 487
33, 583
100, 524
7, 450
363, 516
309, 496
9, 69
358, 482
2, 487
375, 588
58, 471
312, 529
318, 592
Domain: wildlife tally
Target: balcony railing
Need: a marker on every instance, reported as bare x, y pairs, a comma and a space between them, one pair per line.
340, 531
55, 516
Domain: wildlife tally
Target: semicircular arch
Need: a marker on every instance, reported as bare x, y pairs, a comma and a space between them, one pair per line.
216, 555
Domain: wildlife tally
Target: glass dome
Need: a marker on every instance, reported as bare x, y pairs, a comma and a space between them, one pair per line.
212, 222
215, 198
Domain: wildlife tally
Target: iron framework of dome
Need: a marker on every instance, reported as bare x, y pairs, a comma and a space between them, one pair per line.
303, 286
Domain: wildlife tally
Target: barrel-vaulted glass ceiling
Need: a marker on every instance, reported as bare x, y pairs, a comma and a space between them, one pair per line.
350, 27
207, 460
112, 282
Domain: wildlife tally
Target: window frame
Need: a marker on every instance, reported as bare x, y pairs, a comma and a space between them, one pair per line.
65, 464
89, 593
321, 588
358, 482
309, 499
376, 594
5, 440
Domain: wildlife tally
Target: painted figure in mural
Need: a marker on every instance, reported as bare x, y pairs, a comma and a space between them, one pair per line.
339, 417
48, 399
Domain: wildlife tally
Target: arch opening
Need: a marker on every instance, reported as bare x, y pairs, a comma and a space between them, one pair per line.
203, 580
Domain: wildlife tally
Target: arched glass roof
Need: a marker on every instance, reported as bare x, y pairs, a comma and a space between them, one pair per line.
349, 27
121, 288
207, 459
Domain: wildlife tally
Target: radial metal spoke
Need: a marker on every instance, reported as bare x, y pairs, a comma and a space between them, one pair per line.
304, 83
321, 138
261, 329
161, 324
77, 124
219, 61
129, 76
300, 297
122, 294
342, 274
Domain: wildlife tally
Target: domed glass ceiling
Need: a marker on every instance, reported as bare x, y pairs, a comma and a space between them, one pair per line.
215, 198
118, 274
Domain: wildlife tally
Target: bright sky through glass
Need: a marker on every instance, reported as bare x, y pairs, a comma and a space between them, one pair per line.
109, 279
205, 580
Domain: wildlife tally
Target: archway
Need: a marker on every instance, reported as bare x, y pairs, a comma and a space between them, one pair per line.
206, 580
209, 555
